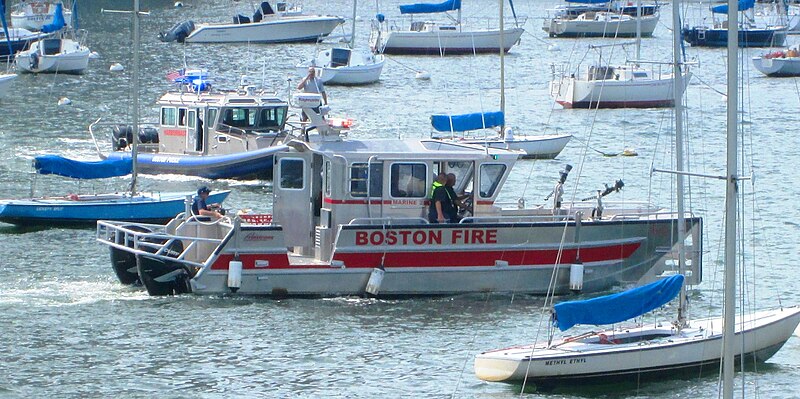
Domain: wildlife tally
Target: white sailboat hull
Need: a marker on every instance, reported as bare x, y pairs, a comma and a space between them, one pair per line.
537, 147
623, 27
70, 58
444, 42
616, 92
697, 347
279, 29
36, 14
362, 67
778, 67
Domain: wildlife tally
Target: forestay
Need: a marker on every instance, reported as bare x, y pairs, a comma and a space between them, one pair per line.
617, 307
465, 122
58, 165
427, 8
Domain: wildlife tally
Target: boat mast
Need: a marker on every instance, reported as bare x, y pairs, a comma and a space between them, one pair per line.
135, 104
729, 309
502, 74
353, 30
677, 91
639, 29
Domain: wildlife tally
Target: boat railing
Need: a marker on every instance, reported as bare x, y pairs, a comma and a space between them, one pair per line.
156, 243
388, 220
402, 23
98, 122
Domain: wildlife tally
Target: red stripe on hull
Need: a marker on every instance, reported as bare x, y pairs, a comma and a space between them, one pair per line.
475, 258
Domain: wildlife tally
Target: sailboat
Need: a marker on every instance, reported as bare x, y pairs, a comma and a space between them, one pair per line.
65, 53
658, 350
779, 64
631, 85
749, 35
346, 65
433, 38
535, 146
601, 18
32, 15
75, 209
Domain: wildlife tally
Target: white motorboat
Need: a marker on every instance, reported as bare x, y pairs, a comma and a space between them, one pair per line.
349, 217
779, 63
32, 15
57, 55
283, 24
441, 38
345, 65
657, 350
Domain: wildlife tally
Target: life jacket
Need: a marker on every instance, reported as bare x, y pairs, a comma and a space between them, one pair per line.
434, 186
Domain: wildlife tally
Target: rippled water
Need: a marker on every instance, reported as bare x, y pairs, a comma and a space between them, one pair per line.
70, 330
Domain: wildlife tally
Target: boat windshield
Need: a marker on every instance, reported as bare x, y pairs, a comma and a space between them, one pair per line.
261, 119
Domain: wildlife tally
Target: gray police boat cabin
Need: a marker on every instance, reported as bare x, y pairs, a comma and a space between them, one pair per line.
349, 218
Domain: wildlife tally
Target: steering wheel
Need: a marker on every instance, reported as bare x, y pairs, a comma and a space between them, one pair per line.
466, 209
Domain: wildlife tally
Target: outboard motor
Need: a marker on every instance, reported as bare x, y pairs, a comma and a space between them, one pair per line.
122, 136
178, 32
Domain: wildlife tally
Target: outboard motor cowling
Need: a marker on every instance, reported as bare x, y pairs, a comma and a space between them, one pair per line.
178, 32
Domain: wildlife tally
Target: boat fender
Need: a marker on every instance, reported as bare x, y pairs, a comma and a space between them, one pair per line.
234, 275
375, 281
576, 276
116, 67
64, 101
423, 75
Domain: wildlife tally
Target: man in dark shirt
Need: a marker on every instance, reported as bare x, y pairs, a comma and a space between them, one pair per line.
440, 207
455, 201
199, 206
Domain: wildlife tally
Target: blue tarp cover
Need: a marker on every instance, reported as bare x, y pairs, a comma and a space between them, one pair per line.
465, 122
58, 165
618, 307
742, 4
58, 20
427, 8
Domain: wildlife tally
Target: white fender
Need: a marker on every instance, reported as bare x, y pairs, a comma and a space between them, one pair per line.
234, 275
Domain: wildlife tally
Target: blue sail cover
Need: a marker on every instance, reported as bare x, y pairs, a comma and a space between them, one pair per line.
618, 307
465, 122
427, 8
742, 4
58, 20
58, 165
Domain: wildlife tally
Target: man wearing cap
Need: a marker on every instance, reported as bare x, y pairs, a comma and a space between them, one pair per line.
199, 206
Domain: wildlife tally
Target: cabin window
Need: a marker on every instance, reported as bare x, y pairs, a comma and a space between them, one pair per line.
292, 173
169, 116
642, 75
463, 171
358, 179
409, 180
211, 118
192, 119
271, 118
182, 116
491, 174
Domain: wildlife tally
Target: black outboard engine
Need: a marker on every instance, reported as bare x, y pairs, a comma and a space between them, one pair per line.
122, 136
178, 32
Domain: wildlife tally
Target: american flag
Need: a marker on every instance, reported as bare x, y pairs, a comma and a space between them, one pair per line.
175, 75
